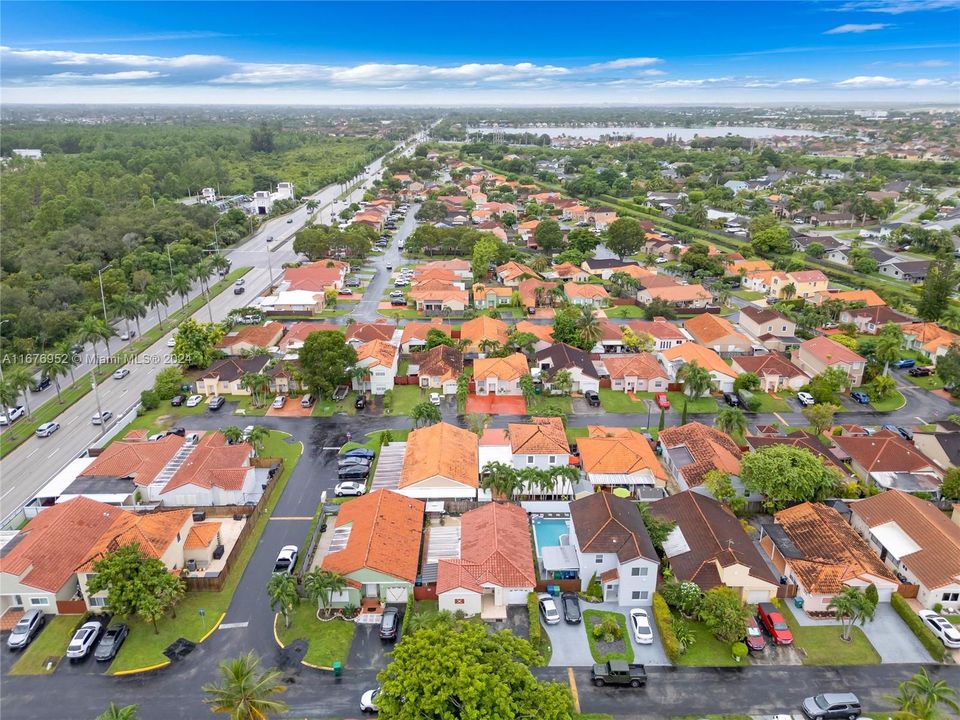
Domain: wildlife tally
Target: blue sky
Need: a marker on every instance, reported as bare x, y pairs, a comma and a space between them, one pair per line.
848, 51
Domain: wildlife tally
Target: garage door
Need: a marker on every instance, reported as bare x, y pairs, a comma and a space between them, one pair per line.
396, 595
756, 596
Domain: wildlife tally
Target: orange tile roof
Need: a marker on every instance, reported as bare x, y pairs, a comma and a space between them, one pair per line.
419, 330
256, 335
660, 329
139, 459
385, 533
54, 543
807, 276
381, 353
540, 436
586, 290
931, 335
435, 273
566, 269
494, 550
213, 463
513, 269
679, 293
461, 296
830, 352
640, 365
884, 452
440, 450
484, 328
511, 367
704, 357
709, 448
708, 328
749, 266
622, 452
868, 297
636, 272
528, 290
544, 332
298, 332
831, 552
316, 276
153, 533
365, 332
428, 284
443, 362
202, 534
499, 290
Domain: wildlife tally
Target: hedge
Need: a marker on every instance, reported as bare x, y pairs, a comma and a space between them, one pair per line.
913, 621
533, 616
664, 620
407, 615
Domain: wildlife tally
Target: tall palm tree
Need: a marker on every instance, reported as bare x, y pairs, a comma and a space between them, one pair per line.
889, 345
852, 605
539, 263
732, 421
93, 329
156, 296
588, 328
140, 312
282, 591
55, 365
245, 693
789, 291
320, 584
180, 284
501, 478
489, 346
21, 379
70, 358
696, 380
129, 308
883, 385
257, 384
922, 697
232, 433
8, 394
257, 437
116, 712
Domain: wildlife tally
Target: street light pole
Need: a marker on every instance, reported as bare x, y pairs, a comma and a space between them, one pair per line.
170, 262
103, 299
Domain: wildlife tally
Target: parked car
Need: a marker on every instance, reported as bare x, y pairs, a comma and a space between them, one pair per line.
941, 627
47, 429
12, 415
640, 624
920, 371
904, 363
345, 291
390, 624
861, 397
42, 384
240, 282
571, 608
286, 559
350, 487
619, 672
592, 398
120, 373
772, 621
216, 402
831, 705
353, 472
239, 290
279, 401
347, 461
663, 402
806, 398
368, 701
361, 402
731, 399
83, 640
398, 301
194, 400
102, 418
26, 629
754, 641
435, 399
177, 400
110, 642
360, 452
548, 609
171, 341
899, 430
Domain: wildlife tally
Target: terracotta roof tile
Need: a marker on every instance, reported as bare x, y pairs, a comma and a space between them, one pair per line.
659, 329
704, 357
708, 328
381, 353
139, 459
617, 453
443, 362
829, 351
640, 365
680, 293
153, 533
484, 328
544, 332
540, 436
256, 335
440, 450
586, 290
298, 332
868, 297
202, 534
365, 332
709, 448
511, 367
419, 330
773, 363
213, 464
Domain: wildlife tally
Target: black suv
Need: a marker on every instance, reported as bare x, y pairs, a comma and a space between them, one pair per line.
42, 384
592, 398
390, 626
731, 399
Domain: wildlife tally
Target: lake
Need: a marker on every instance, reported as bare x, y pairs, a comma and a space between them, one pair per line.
594, 133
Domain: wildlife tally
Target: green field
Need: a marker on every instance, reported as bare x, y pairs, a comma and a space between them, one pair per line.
706, 650
327, 640
624, 311
894, 401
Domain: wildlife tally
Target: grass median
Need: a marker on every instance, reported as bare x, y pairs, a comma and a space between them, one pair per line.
327, 640
50, 410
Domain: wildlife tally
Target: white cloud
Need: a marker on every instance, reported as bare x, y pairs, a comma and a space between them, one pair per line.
624, 63
854, 28
880, 81
897, 7
799, 81
69, 57
124, 75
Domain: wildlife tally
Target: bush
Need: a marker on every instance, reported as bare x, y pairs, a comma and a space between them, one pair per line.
739, 650
664, 619
388, 400
149, 400
608, 630
593, 593
750, 400
533, 618
167, 383
407, 615
913, 621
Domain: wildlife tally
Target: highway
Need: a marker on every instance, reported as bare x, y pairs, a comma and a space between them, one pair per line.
28, 468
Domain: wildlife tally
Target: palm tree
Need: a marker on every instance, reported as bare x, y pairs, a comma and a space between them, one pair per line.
527, 388
424, 414
358, 374
883, 385
55, 365
244, 692
732, 421
696, 380
489, 346
141, 311
889, 345
538, 293
180, 284
698, 213
93, 329
8, 394
539, 263
129, 308
501, 478
156, 297
282, 591
70, 358
789, 291
588, 328
320, 584
115, 712
257, 436
922, 697
21, 380
257, 384
554, 475
232, 433
852, 605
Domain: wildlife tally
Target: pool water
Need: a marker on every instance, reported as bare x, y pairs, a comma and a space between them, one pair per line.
548, 531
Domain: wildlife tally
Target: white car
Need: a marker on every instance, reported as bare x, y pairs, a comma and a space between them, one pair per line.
83, 640
805, 398
128, 335
640, 622
194, 400
239, 282
349, 487
247, 431
171, 341
12, 414
101, 418
548, 608
47, 429
368, 701
286, 560
941, 627
120, 373
279, 401
435, 398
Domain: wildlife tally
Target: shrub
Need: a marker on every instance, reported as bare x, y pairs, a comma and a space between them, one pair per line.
533, 618
837, 431
739, 650
388, 400
149, 400
407, 615
608, 630
664, 619
593, 593
750, 400
167, 383
913, 621
938, 608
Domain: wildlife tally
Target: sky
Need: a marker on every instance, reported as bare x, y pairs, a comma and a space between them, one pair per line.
482, 53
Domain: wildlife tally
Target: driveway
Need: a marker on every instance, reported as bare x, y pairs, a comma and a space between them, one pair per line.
368, 651
496, 404
652, 654
571, 648
581, 407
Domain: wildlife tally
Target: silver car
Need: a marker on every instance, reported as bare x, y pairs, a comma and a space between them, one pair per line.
26, 629
47, 429
548, 608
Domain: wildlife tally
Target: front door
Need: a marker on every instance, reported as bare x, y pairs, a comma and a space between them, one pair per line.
610, 592
371, 590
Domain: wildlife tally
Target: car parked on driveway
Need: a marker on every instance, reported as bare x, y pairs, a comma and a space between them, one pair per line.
349, 487
360, 452
571, 608
731, 399
920, 371
353, 472
832, 705
360, 403
592, 398
279, 401
194, 400
663, 402
435, 399
216, 402
861, 397
110, 643
26, 629
83, 640
898, 430
904, 363
754, 641
350, 460
548, 609
640, 625
176, 400
941, 627
390, 624
771, 620
47, 429
368, 701
286, 559
806, 398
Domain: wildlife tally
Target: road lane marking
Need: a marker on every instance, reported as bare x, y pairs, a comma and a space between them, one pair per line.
782, 421
231, 626
328, 447
34, 450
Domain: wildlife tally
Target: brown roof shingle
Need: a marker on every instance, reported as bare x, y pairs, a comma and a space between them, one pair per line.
709, 448
605, 523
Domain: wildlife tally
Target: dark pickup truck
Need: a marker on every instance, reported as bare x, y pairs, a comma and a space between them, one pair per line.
619, 672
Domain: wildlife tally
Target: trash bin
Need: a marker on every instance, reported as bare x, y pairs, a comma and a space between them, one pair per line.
337, 668
798, 602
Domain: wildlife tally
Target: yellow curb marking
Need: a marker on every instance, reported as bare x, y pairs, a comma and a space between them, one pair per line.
148, 668
215, 626
573, 690
276, 635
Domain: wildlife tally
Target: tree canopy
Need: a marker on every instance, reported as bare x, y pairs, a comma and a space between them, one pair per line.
786, 476
326, 360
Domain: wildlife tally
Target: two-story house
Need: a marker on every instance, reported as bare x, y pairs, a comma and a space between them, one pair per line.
817, 354
500, 376
380, 359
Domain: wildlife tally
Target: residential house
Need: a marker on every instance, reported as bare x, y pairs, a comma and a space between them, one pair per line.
461, 268
359, 333
494, 568
868, 297
718, 334
491, 296
251, 337
916, 541
691, 451
511, 273
929, 339
440, 301
639, 372
316, 276
586, 295
298, 332
806, 283
708, 546
536, 293
677, 296
414, 337
869, 320
527, 232
806, 441
380, 359
375, 546
814, 548
305, 302
613, 457
583, 374
612, 545
774, 369
440, 462
543, 333
567, 272
440, 367
941, 447
500, 375
541, 444
225, 377
914, 271
606, 267
676, 357
802, 242
600, 218
745, 267
817, 354
478, 330
845, 255
773, 330
889, 461
664, 333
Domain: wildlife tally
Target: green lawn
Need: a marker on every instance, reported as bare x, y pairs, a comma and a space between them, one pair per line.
541, 403
629, 312
894, 401
327, 641
405, 397
600, 615
770, 404
328, 408
747, 294
405, 314
144, 647
931, 382
166, 416
706, 404
823, 645
51, 642
706, 650
615, 401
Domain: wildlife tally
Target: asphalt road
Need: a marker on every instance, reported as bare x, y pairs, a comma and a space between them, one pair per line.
36, 461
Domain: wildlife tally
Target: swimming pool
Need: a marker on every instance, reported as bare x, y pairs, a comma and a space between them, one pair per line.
547, 532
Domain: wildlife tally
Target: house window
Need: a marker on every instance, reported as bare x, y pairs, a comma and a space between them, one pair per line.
40, 601
635, 572
529, 459
636, 595
98, 601
552, 459
644, 594
599, 559
643, 571
951, 597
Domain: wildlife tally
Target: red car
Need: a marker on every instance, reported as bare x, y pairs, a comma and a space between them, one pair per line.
754, 641
772, 621
662, 401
